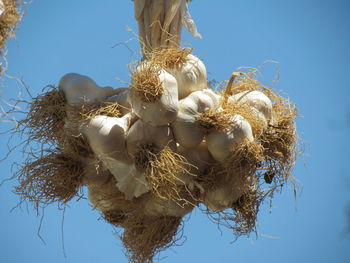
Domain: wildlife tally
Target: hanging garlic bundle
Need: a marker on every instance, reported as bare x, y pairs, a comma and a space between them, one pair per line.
149, 154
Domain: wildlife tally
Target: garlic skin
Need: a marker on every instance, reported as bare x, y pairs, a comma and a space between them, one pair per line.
190, 77
107, 136
199, 157
79, 89
141, 133
162, 111
222, 143
200, 101
256, 100
186, 130
122, 99
107, 139
130, 181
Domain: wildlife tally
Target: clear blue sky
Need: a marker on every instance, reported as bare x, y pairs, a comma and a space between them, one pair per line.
311, 41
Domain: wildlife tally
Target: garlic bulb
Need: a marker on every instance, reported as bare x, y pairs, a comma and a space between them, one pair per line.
107, 139
256, 100
141, 133
222, 143
186, 130
80, 89
130, 181
95, 175
190, 77
122, 99
223, 195
107, 136
199, 157
164, 108
107, 198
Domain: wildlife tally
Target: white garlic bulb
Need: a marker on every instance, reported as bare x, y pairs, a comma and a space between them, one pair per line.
162, 111
141, 133
191, 77
222, 143
122, 99
186, 129
258, 101
80, 89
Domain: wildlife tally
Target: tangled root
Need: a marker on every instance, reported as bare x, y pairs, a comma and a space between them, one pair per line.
54, 177
240, 81
242, 163
8, 21
46, 116
214, 120
110, 109
246, 210
241, 218
146, 83
73, 144
144, 236
221, 120
242, 172
162, 169
280, 140
169, 58
248, 113
262, 166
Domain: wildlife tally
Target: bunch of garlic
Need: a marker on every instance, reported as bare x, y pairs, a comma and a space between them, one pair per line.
164, 115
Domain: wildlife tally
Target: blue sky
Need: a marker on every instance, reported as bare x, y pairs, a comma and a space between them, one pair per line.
310, 40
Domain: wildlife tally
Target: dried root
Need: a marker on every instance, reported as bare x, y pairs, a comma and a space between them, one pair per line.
46, 116
242, 163
243, 172
74, 144
110, 109
214, 120
54, 177
169, 58
8, 21
247, 113
144, 237
162, 169
280, 140
146, 83
240, 82
241, 218
221, 120
246, 210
